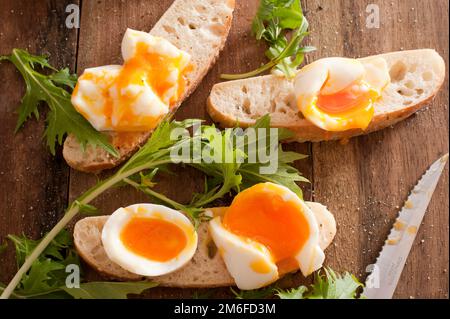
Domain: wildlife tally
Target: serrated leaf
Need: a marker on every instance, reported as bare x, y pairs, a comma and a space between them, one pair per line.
334, 286
36, 280
273, 21
62, 117
86, 208
293, 293
108, 290
63, 77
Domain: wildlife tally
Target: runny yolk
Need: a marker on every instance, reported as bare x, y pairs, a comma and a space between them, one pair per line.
153, 238
155, 69
265, 217
144, 67
355, 96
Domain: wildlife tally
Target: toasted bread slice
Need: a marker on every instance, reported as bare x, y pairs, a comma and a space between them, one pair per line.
416, 77
205, 270
199, 27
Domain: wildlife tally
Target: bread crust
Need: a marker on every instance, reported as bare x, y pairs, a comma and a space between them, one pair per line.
96, 159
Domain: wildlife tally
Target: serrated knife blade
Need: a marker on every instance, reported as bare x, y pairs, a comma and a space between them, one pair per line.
385, 273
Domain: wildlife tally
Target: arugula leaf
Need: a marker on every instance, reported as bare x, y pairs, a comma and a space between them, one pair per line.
38, 278
237, 175
47, 272
220, 162
47, 277
334, 286
86, 208
108, 290
62, 118
157, 154
273, 20
293, 293
329, 286
64, 78
25, 246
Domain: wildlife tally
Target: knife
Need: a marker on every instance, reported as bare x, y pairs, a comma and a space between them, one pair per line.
385, 273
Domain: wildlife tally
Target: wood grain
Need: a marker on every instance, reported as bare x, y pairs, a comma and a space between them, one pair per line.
362, 182
33, 183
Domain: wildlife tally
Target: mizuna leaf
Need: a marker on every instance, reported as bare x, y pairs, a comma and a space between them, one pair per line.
272, 23
62, 117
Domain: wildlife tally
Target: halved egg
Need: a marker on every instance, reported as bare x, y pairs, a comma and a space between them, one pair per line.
135, 96
267, 230
337, 94
91, 96
148, 239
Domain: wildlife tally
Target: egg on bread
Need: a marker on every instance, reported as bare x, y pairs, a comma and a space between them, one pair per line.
266, 230
337, 94
149, 239
136, 95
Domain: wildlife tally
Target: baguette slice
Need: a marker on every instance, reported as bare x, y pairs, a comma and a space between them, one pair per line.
416, 76
205, 270
199, 27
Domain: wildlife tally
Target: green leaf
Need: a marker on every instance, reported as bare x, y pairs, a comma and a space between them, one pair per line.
37, 279
47, 273
334, 286
86, 208
273, 20
63, 77
62, 117
108, 290
328, 286
293, 293
154, 155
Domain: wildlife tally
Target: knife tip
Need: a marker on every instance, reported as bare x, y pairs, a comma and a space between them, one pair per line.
444, 158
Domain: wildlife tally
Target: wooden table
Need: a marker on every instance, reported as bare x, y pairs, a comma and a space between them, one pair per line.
363, 182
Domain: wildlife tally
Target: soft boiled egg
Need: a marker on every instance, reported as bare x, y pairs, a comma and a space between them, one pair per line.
337, 94
267, 230
148, 239
136, 95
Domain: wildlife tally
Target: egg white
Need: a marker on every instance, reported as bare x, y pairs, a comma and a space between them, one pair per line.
154, 44
118, 252
332, 75
89, 98
239, 252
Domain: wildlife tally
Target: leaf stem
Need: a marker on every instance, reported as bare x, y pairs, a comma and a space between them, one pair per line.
150, 192
270, 64
73, 210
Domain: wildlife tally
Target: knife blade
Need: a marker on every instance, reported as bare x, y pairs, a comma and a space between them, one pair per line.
385, 273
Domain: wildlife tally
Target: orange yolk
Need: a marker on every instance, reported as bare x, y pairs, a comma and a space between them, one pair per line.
153, 238
354, 97
155, 70
265, 217
152, 68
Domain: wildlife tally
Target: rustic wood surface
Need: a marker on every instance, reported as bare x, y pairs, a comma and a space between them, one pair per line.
363, 182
